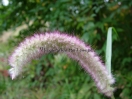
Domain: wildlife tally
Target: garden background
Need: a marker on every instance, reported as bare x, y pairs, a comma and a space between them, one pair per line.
57, 76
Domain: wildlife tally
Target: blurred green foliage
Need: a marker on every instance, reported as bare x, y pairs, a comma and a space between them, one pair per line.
56, 76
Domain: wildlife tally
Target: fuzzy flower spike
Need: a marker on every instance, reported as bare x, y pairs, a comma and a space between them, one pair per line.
41, 44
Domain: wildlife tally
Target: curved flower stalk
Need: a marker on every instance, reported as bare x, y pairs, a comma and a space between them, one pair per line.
41, 44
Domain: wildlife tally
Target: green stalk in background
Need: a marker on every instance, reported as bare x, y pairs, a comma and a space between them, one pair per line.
109, 48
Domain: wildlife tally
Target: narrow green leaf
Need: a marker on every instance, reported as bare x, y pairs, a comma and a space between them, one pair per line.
109, 48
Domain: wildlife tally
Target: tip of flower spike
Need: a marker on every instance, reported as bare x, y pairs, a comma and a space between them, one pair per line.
11, 73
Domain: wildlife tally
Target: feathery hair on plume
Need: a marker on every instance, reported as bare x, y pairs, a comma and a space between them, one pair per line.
41, 44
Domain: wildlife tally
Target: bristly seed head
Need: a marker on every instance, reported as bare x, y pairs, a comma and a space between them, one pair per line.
41, 44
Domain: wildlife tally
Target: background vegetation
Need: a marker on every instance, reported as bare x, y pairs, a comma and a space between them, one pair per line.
57, 76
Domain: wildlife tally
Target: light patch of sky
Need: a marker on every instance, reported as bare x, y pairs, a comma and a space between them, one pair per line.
106, 0
5, 2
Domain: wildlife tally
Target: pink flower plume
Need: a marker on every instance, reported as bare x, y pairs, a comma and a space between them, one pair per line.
41, 44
